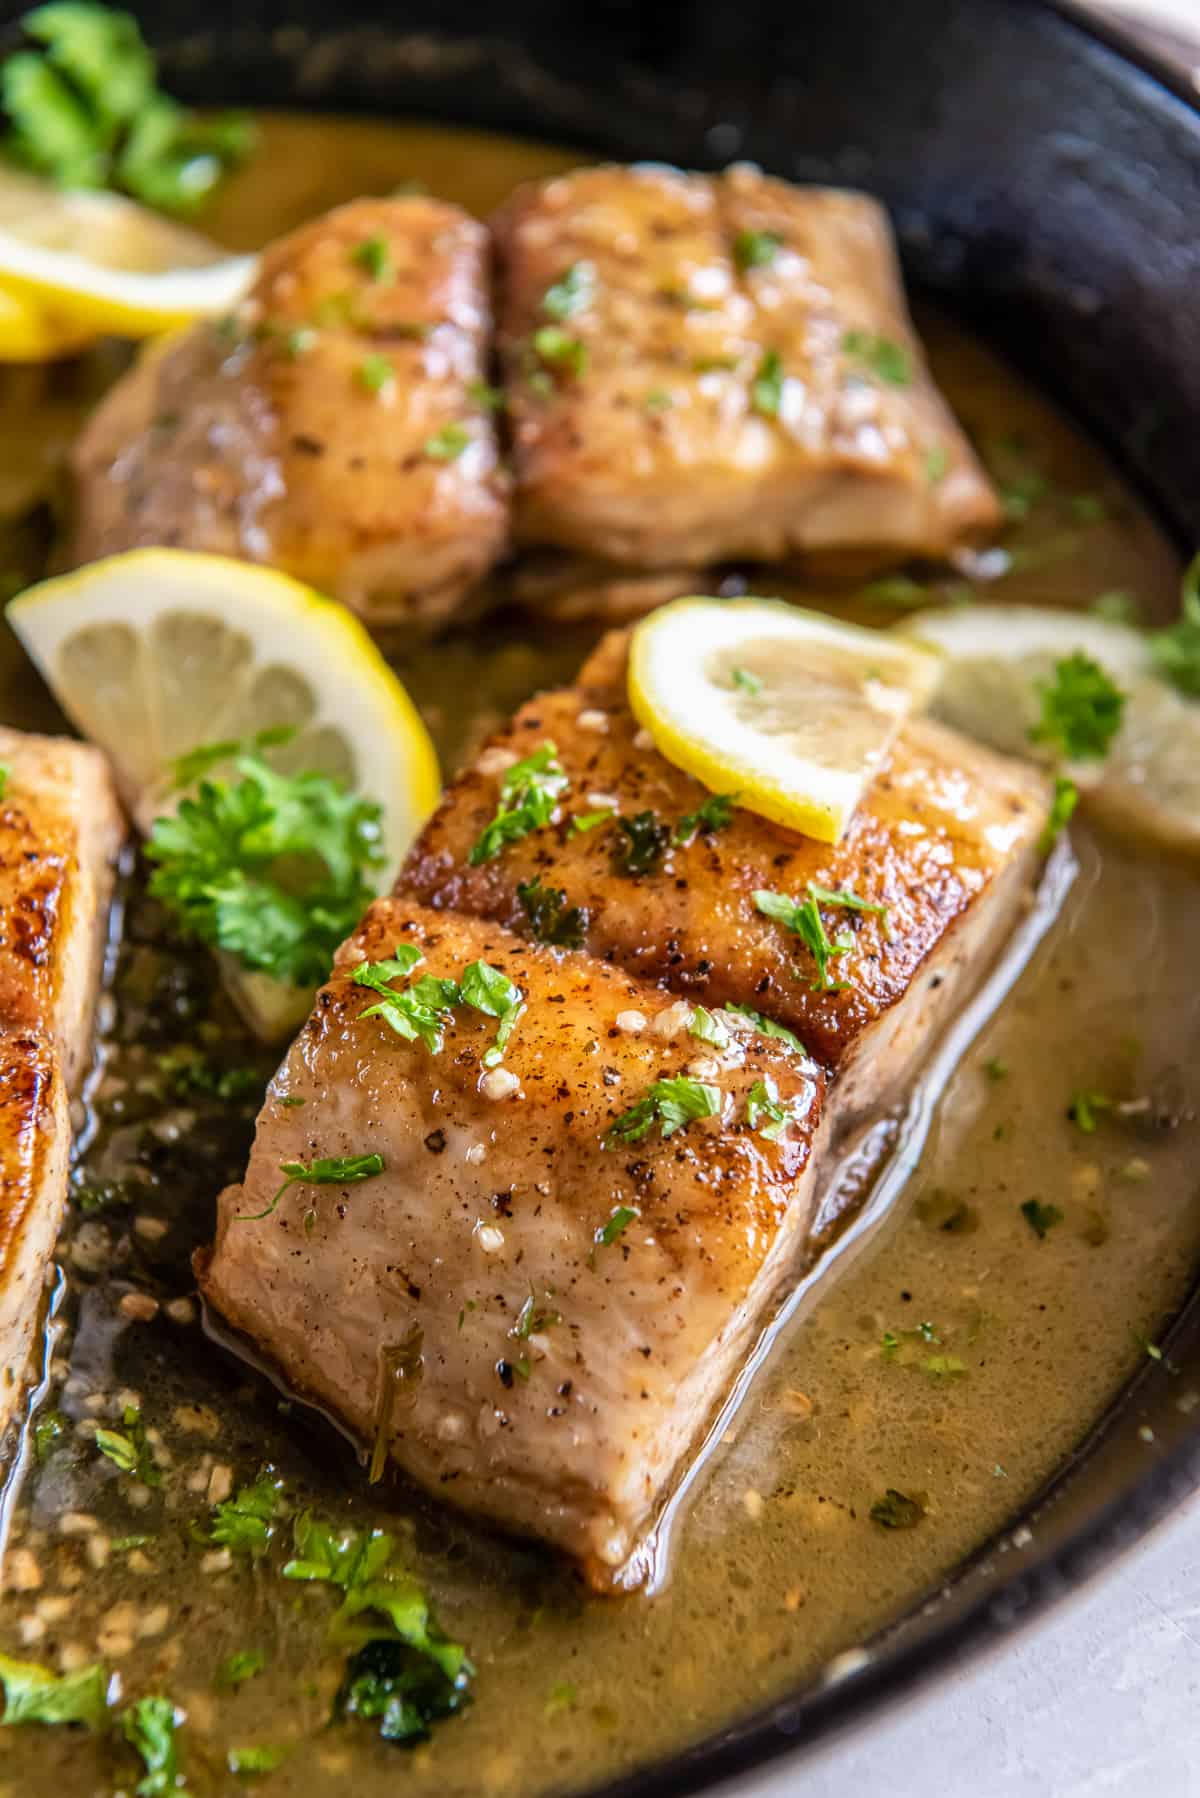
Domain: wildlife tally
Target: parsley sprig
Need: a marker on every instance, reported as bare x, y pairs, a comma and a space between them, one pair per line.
271, 868
33, 1694
335, 1170
803, 917
1082, 709
128, 1449
672, 1104
529, 792
150, 1726
84, 108
422, 1010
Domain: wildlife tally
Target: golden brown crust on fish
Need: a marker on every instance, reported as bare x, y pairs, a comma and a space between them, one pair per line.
309, 431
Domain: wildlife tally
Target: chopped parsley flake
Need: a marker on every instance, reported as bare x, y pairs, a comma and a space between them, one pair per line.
48, 1432
375, 373
755, 249
129, 1450
672, 1104
571, 293
247, 1522
246, 1664
565, 354
1039, 1217
897, 1511
715, 814
529, 792
247, 1763
803, 917
658, 399
585, 821
338, 1170
885, 358
1062, 810
1082, 709
641, 846
228, 865
1116, 608
551, 919
300, 342
1152, 1350
766, 389
1176, 651
447, 444
707, 1028
33, 1694
764, 1113
534, 1317
491, 399
1086, 1109
937, 461
767, 1027
373, 255
996, 1068
5, 777
616, 1226
149, 1726
744, 681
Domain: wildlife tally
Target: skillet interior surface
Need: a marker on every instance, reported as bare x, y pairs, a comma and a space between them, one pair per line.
1043, 185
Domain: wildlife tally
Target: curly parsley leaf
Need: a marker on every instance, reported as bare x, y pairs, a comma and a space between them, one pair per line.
150, 1726
551, 919
272, 869
1082, 709
764, 1113
33, 1694
84, 109
337, 1170
715, 814
247, 1522
1176, 651
885, 358
422, 1011
529, 792
672, 1104
642, 843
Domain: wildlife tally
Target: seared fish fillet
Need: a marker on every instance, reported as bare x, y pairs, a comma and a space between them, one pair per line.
945, 838
567, 1302
335, 427
60, 830
566, 1314
702, 368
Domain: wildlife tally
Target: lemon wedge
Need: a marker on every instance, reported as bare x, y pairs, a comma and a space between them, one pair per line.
995, 657
75, 266
789, 709
159, 652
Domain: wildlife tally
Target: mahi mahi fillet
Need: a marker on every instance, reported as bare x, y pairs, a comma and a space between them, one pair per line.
532, 1307
60, 830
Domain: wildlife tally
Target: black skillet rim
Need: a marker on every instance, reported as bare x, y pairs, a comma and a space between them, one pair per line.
981, 1609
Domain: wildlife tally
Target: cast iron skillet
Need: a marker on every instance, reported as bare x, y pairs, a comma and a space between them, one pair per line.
1044, 180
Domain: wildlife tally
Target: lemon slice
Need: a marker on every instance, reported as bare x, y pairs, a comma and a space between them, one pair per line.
1148, 785
789, 709
75, 266
159, 652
